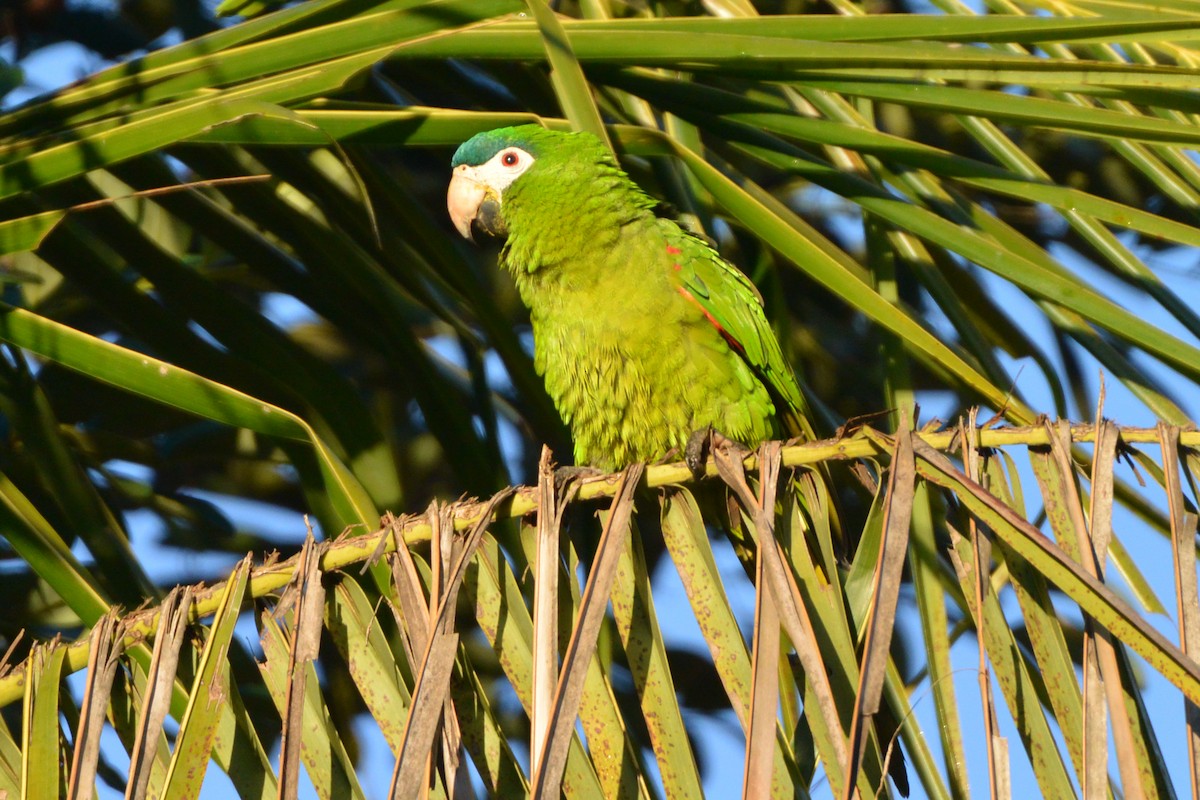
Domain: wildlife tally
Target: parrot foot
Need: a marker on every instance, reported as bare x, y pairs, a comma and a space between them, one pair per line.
565, 476
703, 443
697, 449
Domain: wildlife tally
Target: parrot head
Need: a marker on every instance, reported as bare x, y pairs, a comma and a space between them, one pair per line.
491, 165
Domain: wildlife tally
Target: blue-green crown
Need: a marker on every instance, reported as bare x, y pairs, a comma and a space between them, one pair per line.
533, 139
480, 148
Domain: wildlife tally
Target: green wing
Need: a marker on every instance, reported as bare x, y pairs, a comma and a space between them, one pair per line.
732, 304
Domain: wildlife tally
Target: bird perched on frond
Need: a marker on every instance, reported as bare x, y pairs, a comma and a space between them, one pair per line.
647, 339
645, 336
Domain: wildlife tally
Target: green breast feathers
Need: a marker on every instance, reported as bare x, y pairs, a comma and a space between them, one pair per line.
642, 333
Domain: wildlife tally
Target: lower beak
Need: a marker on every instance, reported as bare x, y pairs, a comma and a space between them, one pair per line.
463, 199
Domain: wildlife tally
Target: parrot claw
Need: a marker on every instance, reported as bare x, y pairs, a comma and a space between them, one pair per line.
702, 443
669, 457
565, 476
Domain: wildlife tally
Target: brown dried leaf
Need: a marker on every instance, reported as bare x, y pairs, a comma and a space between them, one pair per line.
102, 670
160, 680
1187, 598
305, 643
431, 692
898, 505
792, 612
764, 693
548, 778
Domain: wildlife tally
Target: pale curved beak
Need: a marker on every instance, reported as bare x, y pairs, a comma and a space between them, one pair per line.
463, 198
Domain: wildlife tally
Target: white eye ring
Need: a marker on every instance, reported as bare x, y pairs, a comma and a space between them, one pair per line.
504, 167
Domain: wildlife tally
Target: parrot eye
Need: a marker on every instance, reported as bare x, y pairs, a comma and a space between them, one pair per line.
503, 168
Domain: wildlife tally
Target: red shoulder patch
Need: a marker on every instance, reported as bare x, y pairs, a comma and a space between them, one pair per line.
673, 250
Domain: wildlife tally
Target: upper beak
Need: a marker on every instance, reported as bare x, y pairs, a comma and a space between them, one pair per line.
463, 198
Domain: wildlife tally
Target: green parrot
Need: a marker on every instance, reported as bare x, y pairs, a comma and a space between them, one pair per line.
646, 338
